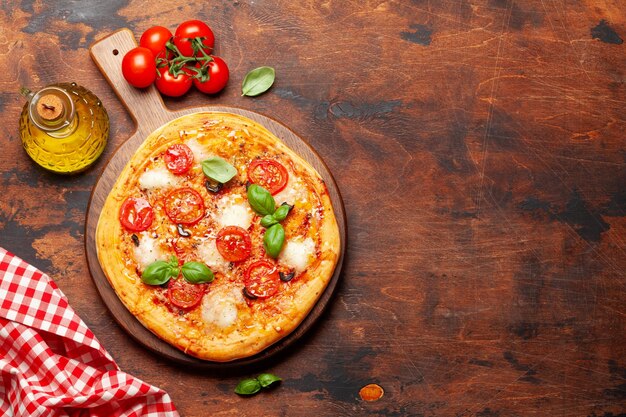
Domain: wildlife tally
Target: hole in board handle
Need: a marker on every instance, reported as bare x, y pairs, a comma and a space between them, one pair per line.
115, 52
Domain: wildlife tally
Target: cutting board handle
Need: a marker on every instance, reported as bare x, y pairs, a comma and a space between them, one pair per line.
144, 105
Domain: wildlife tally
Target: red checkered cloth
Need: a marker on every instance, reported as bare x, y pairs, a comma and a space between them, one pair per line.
51, 364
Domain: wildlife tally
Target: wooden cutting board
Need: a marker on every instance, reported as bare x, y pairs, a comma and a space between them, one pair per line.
149, 113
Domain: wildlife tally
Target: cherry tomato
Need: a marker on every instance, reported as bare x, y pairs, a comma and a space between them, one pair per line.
155, 39
136, 214
262, 279
172, 86
178, 158
233, 243
269, 174
187, 32
215, 73
184, 206
183, 294
138, 67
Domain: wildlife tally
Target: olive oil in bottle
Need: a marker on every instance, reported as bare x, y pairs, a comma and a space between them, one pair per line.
64, 127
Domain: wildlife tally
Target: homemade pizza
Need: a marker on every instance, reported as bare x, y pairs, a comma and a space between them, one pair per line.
217, 237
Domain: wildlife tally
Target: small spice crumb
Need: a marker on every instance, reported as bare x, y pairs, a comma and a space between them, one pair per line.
371, 392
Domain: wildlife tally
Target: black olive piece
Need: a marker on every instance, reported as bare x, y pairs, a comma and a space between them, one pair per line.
247, 294
135, 239
213, 187
248, 184
286, 277
287, 204
182, 232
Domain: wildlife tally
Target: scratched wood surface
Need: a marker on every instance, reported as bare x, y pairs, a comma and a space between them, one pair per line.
480, 150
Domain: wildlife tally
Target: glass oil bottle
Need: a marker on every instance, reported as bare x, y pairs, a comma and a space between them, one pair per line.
64, 127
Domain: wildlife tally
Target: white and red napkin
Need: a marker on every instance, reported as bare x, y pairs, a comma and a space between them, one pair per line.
52, 365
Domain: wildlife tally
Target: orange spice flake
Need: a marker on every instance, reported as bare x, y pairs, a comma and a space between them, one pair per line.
371, 392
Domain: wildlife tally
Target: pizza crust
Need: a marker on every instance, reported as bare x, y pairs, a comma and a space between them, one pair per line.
201, 340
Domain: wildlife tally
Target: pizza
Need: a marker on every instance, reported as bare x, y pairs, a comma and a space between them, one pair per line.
217, 237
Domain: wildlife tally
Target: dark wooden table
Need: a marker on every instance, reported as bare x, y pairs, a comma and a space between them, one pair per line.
481, 153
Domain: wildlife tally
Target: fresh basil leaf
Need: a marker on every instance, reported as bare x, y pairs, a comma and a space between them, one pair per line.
258, 81
248, 387
218, 169
282, 212
159, 272
197, 272
273, 240
261, 200
267, 379
268, 220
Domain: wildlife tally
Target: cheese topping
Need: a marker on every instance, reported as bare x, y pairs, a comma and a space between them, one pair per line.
200, 153
211, 256
158, 177
298, 254
293, 192
221, 307
148, 251
233, 210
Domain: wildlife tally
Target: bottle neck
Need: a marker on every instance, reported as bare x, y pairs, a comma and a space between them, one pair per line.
52, 110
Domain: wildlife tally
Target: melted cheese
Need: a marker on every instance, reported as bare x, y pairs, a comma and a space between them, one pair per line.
200, 152
221, 307
233, 210
210, 255
158, 177
293, 192
298, 254
148, 251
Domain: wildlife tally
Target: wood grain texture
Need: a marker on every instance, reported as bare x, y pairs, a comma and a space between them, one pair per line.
480, 150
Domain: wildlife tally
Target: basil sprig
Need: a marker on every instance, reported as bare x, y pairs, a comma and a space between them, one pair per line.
273, 240
258, 81
197, 272
281, 212
267, 379
159, 272
248, 386
264, 204
268, 220
279, 215
251, 386
218, 169
261, 200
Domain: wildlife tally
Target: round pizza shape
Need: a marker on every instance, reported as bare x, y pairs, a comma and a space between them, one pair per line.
217, 237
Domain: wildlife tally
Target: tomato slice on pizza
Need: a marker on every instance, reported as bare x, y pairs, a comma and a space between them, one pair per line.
262, 279
184, 206
136, 214
233, 243
183, 294
269, 174
178, 158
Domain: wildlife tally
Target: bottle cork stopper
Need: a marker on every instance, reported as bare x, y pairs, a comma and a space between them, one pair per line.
49, 107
